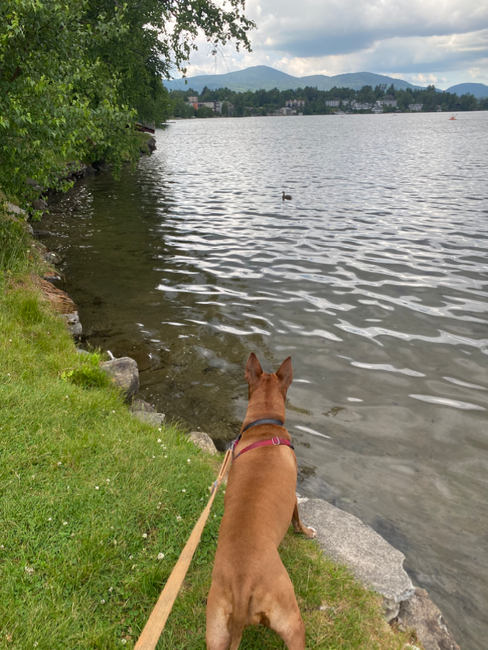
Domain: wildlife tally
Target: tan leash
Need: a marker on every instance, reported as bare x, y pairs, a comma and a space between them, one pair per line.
156, 622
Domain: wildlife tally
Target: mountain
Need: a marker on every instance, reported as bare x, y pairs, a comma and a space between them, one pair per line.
478, 90
262, 77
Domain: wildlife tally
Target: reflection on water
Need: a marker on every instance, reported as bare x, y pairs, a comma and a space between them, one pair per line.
373, 278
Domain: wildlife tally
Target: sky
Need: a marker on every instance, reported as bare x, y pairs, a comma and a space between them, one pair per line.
441, 42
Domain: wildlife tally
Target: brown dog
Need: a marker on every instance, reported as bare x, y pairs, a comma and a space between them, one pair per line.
250, 585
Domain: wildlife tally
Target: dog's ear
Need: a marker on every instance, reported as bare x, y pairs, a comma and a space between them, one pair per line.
285, 373
253, 369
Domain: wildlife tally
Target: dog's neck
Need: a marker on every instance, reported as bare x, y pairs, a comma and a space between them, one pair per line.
264, 404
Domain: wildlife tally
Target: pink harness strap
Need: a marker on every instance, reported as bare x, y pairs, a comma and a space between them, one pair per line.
276, 442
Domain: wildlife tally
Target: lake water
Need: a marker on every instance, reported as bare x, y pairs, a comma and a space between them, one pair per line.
374, 278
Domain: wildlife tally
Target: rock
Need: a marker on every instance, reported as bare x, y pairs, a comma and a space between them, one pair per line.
373, 561
155, 419
73, 324
420, 614
151, 144
20, 219
124, 374
204, 441
60, 301
52, 258
39, 204
90, 171
142, 406
14, 209
51, 277
41, 234
82, 352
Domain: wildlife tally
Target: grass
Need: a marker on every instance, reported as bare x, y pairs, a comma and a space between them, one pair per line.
91, 497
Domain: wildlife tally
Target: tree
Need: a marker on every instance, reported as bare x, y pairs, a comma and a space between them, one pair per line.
75, 75
54, 102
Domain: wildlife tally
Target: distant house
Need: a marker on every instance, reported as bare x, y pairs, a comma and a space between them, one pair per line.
388, 101
286, 110
333, 103
377, 108
193, 100
415, 107
295, 103
358, 106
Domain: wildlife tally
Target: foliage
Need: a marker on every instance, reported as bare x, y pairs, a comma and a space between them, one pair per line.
263, 102
54, 102
158, 38
13, 244
88, 374
75, 76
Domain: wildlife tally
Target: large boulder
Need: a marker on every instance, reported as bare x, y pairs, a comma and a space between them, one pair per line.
349, 541
124, 374
420, 614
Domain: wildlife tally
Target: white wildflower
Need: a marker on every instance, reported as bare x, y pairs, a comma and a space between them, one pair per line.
107, 480
188, 461
159, 439
29, 570
110, 589
102, 602
123, 641
160, 556
97, 487
65, 523
130, 557
144, 535
183, 490
178, 518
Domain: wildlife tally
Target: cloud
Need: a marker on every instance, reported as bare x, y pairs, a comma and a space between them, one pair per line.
321, 28
410, 39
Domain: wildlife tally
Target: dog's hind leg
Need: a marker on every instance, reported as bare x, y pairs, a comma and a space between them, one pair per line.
298, 527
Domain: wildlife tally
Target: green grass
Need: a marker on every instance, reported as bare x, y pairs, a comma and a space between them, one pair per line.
90, 497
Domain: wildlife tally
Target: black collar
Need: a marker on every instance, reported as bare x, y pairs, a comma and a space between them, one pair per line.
264, 421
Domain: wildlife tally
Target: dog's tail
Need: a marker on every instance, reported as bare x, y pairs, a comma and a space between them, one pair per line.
239, 618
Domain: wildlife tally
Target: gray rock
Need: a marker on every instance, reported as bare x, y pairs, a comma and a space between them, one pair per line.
42, 234
20, 218
420, 614
73, 323
373, 561
90, 171
39, 204
14, 209
124, 374
204, 441
82, 352
156, 419
52, 258
143, 406
151, 144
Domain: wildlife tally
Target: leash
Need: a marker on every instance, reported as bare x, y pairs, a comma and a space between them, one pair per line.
157, 620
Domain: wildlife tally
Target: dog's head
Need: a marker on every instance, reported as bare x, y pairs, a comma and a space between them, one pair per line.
268, 384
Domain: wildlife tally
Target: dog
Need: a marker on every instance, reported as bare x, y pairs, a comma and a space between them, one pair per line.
250, 585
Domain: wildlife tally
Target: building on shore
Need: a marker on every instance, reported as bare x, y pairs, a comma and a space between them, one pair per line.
294, 103
415, 107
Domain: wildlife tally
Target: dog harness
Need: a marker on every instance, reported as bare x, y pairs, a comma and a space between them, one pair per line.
261, 443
